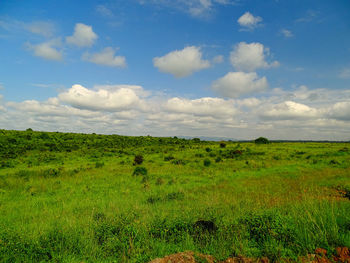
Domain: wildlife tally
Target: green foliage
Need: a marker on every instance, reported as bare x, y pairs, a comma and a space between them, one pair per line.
99, 164
261, 140
222, 145
139, 170
206, 162
280, 201
138, 160
169, 158
208, 149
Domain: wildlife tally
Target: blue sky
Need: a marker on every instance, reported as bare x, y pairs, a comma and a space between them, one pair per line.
226, 68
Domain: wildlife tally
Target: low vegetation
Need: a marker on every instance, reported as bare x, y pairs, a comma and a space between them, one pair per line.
96, 198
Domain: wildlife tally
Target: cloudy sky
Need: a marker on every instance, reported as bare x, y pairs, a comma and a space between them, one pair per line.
219, 68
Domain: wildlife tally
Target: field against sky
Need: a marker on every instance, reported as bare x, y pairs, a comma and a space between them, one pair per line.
220, 68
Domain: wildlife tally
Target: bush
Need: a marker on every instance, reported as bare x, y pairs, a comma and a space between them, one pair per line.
140, 171
222, 145
206, 162
217, 160
261, 140
138, 160
208, 149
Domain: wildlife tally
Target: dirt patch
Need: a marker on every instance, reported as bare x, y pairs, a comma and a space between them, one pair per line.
185, 257
342, 255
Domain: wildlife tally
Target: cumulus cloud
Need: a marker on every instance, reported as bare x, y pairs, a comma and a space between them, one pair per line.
340, 111
106, 57
287, 33
234, 84
51, 107
83, 36
249, 57
300, 113
249, 22
43, 28
47, 50
289, 110
116, 98
182, 63
214, 107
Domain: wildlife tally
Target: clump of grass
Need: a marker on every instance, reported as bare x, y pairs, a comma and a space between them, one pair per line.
169, 158
139, 170
178, 162
99, 164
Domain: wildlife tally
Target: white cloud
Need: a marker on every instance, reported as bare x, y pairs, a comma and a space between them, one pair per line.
195, 8
287, 33
345, 73
106, 57
43, 28
249, 57
234, 84
300, 113
248, 21
289, 110
47, 50
310, 16
218, 59
83, 36
340, 111
114, 98
214, 107
51, 107
182, 63
104, 11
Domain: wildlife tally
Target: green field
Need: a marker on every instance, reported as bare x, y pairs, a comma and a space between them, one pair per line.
81, 198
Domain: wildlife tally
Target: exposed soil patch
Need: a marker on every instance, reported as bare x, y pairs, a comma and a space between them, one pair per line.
342, 255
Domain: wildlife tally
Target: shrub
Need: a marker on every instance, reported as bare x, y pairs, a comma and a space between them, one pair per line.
140, 171
222, 145
261, 140
208, 149
217, 160
206, 162
138, 160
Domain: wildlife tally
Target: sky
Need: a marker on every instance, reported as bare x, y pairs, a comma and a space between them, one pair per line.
237, 69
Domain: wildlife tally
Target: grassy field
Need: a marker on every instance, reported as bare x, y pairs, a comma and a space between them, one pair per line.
82, 198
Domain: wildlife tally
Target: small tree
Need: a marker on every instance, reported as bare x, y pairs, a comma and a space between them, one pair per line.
222, 145
261, 140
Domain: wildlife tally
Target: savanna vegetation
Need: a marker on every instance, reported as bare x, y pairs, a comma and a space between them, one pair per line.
107, 198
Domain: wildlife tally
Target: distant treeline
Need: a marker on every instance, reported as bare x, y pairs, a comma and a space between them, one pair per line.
14, 143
